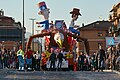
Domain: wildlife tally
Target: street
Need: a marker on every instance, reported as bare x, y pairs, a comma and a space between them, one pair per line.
7, 74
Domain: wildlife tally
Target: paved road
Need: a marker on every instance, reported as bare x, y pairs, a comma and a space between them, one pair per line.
55, 75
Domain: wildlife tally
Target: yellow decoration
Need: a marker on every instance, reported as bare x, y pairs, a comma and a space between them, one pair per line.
47, 54
59, 42
69, 55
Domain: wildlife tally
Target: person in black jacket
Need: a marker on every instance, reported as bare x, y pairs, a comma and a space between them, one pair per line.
101, 58
60, 59
81, 61
52, 60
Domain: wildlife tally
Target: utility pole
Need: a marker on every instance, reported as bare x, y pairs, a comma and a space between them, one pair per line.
32, 19
23, 43
41, 45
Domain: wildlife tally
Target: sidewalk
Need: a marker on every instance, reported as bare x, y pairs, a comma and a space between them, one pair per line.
118, 72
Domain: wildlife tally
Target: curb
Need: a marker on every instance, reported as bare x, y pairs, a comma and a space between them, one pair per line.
116, 71
107, 70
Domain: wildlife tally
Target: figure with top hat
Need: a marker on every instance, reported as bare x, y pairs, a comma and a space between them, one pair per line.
45, 12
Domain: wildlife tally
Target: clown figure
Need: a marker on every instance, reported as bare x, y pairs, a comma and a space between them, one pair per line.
45, 12
75, 13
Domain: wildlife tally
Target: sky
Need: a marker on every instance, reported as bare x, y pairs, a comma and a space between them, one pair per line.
91, 10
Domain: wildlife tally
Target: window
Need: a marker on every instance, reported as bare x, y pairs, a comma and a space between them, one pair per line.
100, 34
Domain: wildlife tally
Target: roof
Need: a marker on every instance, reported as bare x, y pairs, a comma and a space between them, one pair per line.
98, 25
5, 17
8, 27
115, 7
117, 4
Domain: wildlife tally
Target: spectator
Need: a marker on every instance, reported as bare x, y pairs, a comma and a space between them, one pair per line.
101, 57
20, 54
5, 58
44, 60
34, 61
12, 59
93, 62
28, 56
52, 60
38, 58
60, 59
81, 61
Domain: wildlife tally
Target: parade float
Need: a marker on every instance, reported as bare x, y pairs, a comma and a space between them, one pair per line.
57, 35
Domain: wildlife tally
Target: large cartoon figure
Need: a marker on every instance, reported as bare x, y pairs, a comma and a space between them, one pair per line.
45, 12
59, 36
75, 13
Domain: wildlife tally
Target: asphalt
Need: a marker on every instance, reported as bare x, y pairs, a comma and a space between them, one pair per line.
8, 74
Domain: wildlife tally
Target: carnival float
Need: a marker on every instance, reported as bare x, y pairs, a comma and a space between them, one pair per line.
57, 35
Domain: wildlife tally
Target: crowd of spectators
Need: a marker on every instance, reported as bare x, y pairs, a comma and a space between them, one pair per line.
8, 58
99, 60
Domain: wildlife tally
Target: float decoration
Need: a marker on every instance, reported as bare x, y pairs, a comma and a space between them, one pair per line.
44, 11
75, 13
59, 38
58, 35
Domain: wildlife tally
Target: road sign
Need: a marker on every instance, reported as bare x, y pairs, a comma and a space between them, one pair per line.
110, 41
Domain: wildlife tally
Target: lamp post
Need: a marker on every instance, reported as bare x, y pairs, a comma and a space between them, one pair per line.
32, 19
23, 28
41, 45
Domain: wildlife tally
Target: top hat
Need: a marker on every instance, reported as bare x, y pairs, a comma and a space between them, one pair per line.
75, 11
42, 6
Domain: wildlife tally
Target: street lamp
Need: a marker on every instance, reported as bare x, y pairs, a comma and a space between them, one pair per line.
32, 19
23, 29
41, 45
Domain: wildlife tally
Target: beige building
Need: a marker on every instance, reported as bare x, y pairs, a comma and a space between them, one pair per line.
10, 32
115, 18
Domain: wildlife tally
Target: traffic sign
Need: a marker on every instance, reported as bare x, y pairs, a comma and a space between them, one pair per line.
110, 41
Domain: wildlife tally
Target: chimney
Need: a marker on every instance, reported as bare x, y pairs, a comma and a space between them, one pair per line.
83, 25
1, 12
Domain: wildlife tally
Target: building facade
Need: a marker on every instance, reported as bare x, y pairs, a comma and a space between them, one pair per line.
115, 19
10, 32
95, 33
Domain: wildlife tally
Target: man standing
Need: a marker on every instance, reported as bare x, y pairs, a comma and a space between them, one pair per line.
20, 54
52, 60
38, 58
81, 61
28, 56
60, 59
101, 57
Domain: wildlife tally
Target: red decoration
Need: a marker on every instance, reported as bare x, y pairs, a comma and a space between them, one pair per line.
47, 40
